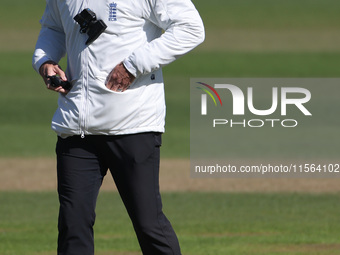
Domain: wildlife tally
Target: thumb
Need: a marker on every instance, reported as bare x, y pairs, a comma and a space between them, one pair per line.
61, 73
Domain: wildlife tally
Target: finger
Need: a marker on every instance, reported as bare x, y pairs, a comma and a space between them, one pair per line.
115, 87
62, 75
123, 87
58, 71
110, 80
116, 80
51, 87
113, 84
63, 91
48, 83
59, 89
110, 84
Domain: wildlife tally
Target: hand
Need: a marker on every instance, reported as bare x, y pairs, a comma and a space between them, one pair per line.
51, 68
119, 78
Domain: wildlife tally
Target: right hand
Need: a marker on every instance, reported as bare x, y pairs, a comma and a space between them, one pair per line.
50, 68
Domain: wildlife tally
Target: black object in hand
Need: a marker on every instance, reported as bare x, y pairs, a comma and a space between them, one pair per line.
56, 82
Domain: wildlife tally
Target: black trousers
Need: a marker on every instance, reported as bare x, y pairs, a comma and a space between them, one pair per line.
133, 161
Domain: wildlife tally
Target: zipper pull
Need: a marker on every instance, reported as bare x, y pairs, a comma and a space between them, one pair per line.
82, 135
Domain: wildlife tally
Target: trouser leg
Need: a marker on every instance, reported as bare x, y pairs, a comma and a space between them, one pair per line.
136, 173
79, 179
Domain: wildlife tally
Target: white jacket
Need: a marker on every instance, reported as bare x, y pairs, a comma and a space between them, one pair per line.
133, 35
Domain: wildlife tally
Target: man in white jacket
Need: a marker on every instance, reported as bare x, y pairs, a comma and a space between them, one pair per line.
113, 112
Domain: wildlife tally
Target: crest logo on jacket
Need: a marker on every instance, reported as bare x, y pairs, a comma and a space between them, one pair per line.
113, 12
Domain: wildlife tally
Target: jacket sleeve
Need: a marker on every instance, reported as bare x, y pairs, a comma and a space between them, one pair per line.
183, 31
51, 41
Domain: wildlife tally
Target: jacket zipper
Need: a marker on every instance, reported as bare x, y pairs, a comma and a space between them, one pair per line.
83, 109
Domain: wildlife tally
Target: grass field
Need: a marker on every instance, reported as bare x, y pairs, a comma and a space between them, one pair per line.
206, 223
244, 38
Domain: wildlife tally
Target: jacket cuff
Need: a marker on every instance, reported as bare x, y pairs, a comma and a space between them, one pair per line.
37, 64
130, 67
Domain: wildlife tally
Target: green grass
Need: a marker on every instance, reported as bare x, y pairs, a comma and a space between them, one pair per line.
206, 223
269, 13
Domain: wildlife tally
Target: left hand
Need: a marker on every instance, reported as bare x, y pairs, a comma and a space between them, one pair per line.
119, 78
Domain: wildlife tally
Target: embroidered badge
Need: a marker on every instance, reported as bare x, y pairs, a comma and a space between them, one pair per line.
113, 12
